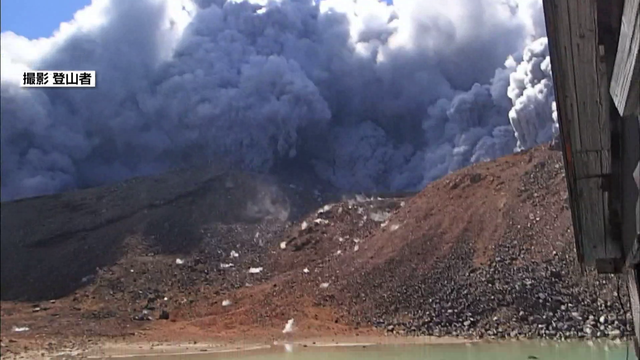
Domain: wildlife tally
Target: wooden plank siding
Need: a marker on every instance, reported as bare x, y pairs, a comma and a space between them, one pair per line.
581, 83
624, 136
625, 81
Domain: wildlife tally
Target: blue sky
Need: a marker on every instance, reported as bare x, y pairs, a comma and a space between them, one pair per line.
37, 18
40, 18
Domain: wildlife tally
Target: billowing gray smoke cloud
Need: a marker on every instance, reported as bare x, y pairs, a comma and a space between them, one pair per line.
374, 97
531, 91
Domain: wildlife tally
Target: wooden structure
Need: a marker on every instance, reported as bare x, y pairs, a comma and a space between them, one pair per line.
595, 55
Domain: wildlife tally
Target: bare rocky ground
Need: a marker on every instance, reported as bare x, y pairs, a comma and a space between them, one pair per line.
213, 254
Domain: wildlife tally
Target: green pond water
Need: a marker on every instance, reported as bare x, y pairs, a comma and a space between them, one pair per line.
479, 351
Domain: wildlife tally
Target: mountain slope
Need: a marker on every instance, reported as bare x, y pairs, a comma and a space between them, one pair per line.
486, 251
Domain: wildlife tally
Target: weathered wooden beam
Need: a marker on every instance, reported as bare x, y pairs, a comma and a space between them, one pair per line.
583, 101
632, 273
634, 299
633, 258
630, 151
625, 81
559, 50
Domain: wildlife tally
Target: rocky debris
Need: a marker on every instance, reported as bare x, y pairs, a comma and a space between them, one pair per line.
330, 229
164, 315
537, 300
145, 315
530, 286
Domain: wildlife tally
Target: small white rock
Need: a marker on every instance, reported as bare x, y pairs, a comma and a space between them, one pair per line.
324, 209
234, 254
226, 302
361, 198
288, 328
179, 261
324, 285
255, 270
283, 245
305, 270
379, 216
304, 225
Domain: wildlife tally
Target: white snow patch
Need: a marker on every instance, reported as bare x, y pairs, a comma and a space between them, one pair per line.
255, 270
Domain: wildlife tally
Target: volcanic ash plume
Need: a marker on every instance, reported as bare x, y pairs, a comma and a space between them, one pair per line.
370, 96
